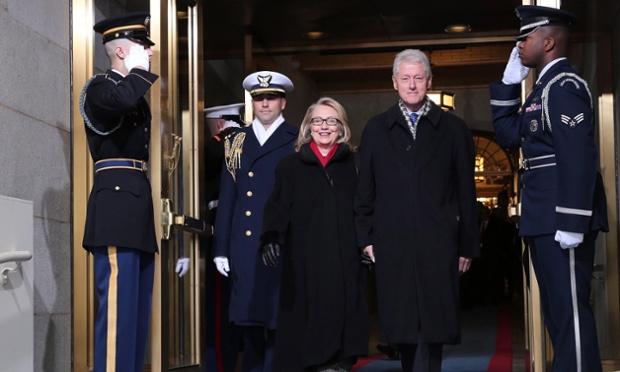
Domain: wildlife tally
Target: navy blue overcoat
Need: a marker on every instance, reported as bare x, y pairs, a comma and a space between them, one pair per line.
255, 287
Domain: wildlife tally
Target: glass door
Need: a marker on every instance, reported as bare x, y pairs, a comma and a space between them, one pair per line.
181, 123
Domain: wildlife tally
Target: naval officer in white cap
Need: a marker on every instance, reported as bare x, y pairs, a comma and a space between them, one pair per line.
251, 155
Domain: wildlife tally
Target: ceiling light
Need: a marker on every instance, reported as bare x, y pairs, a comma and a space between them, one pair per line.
314, 35
457, 28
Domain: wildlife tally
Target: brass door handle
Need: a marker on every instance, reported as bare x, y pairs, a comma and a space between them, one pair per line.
193, 225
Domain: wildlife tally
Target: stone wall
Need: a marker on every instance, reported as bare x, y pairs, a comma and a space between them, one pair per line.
35, 148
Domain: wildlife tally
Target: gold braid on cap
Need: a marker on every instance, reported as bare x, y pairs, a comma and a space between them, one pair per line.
232, 153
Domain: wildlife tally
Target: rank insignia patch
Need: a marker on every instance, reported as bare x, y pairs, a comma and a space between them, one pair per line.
533, 126
572, 122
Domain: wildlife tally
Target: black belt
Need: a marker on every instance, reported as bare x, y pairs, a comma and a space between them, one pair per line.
537, 162
120, 164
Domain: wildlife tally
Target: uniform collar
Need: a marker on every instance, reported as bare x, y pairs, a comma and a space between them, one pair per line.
548, 67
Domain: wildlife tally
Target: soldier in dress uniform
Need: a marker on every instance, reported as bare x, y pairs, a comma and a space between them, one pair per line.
221, 336
120, 230
250, 158
563, 200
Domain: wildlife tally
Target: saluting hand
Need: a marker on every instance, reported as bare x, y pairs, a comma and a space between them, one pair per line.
138, 57
515, 72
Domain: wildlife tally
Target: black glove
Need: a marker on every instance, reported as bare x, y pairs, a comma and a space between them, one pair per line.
270, 253
366, 261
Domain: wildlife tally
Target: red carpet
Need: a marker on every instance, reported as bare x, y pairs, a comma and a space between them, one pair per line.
502, 359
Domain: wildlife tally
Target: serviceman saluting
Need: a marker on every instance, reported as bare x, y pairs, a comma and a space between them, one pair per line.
563, 200
251, 156
120, 230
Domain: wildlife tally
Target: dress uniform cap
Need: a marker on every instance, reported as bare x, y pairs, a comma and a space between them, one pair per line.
217, 112
532, 17
132, 26
267, 82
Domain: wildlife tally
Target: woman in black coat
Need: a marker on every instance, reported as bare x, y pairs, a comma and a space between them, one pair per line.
322, 316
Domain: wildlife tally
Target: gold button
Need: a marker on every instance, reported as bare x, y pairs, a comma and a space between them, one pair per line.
249, 193
117, 188
251, 174
248, 233
248, 213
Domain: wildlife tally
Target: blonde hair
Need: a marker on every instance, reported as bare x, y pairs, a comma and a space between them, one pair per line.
305, 129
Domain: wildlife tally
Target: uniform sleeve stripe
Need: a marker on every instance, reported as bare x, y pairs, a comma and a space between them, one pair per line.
512, 102
579, 212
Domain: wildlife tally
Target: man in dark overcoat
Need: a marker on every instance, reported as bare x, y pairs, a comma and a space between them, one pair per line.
562, 194
120, 230
250, 159
416, 215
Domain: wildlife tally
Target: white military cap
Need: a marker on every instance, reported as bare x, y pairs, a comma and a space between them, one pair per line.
217, 112
267, 82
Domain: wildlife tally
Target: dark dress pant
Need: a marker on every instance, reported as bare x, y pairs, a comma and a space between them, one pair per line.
422, 357
564, 277
258, 347
124, 285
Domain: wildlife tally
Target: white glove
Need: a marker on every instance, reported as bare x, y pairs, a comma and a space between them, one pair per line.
568, 239
221, 264
515, 72
182, 266
137, 57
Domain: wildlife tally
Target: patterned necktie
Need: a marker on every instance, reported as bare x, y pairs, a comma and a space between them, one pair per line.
414, 118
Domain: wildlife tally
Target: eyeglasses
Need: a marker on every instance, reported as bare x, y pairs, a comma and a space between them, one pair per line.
319, 121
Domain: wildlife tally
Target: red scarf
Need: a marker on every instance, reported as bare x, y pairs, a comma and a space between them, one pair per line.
323, 159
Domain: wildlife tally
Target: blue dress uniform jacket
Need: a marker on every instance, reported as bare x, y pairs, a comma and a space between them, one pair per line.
255, 287
562, 189
120, 206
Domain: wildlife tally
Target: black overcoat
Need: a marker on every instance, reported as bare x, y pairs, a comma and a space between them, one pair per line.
118, 125
322, 310
416, 204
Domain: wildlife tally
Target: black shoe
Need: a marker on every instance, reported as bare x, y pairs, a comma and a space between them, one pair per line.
389, 351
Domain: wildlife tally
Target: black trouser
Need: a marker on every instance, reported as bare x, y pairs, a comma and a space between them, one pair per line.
422, 357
